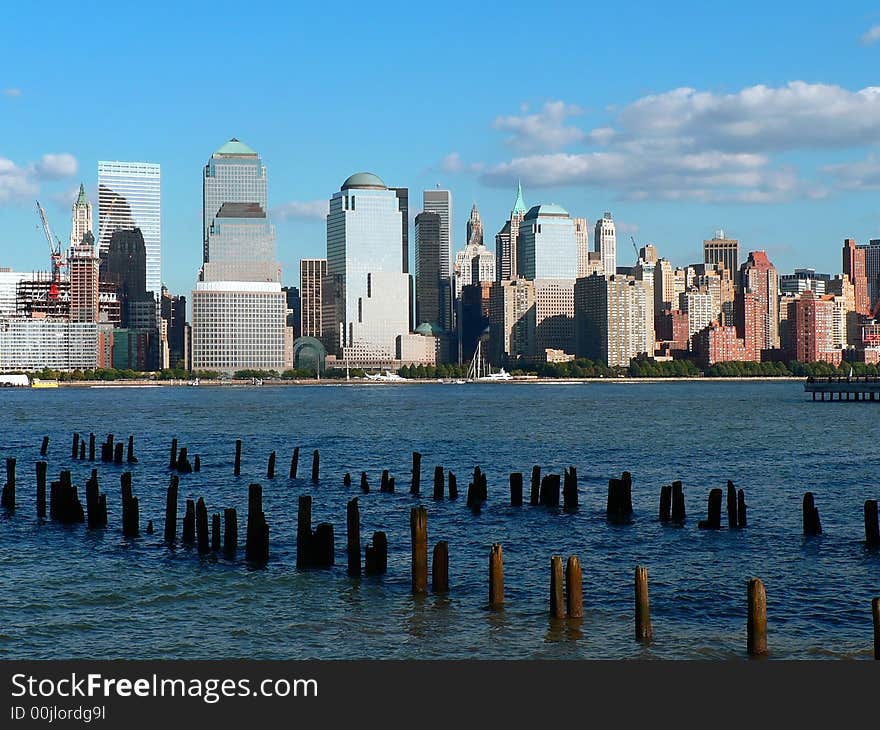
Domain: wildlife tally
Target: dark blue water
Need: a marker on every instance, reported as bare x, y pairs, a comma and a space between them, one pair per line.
69, 592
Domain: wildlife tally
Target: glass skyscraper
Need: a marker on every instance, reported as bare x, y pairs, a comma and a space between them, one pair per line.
129, 197
548, 246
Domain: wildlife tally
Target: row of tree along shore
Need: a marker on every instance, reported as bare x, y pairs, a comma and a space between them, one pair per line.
574, 369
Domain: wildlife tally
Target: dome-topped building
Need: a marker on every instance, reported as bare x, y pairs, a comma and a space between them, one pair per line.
364, 181
546, 209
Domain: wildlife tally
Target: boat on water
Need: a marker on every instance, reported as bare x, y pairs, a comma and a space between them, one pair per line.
38, 383
385, 377
480, 371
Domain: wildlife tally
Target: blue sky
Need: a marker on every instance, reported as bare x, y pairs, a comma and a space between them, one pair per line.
679, 117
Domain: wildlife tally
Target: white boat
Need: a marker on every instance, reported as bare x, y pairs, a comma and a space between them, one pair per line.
385, 377
480, 371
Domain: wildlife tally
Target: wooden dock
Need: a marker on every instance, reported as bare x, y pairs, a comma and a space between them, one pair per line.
865, 387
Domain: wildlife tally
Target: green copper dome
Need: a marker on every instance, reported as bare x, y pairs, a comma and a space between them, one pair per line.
546, 209
235, 147
428, 329
364, 180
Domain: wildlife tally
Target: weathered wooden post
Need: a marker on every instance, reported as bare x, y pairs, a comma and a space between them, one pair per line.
383, 481
376, 555
7, 500
304, 531
812, 525
714, 519
438, 482
534, 496
215, 532
130, 457
202, 538
418, 525
415, 484
324, 546
570, 489
294, 462
197, 463
665, 502
92, 497
365, 485
42, 467
189, 523
236, 469
496, 576
257, 545
230, 531
731, 505
516, 489
183, 465
130, 516
353, 534
172, 459
270, 469
875, 614
82, 449
872, 528
316, 462
118, 453
453, 485
75, 449
44, 448
644, 631
557, 600
757, 621
574, 588
149, 527
91, 447
678, 513
346, 480
171, 510
109, 448
440, 568
741, 520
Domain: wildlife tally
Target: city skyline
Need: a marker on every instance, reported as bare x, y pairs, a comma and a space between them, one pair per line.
804, 201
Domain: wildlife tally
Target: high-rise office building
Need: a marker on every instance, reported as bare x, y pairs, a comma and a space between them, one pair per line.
582, 235
366, 293
810, 327
854, 268
238, 306
129, 196
700, 308
439, 201
511, 320
665, 298
605, 243
803, 280
872, 270
474, 227
311, 286
759, 278
174, 314
721, 250
506, 240
124, 264
548, 246
81, 217
403, 204
84, 268
429, 302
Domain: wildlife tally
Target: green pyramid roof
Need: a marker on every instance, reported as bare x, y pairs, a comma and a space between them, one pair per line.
519, 206
81, 199
235, 147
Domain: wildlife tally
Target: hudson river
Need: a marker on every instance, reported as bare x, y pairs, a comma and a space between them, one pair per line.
70, 592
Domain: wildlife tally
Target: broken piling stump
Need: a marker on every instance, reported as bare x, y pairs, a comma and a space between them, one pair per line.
189, 523
44, 448
516, 489
202, 537
713, 522
741, 520
172, 459
130, 511
665, 502
453, 485
438, 482
535, 494
236, 468
215, 532
496, 577
316, 462
731, 505
756, 640
353, 535
812, 524
171, 510
257, 541
644, 631
557, 598
574, 588
270, 469
872, 528
569, 489
230, 531
415, 483
418, 524
42, 467
365, 485
678, 512
91, 447
440, 568
294, 462
376, 555
7, 499
130, 457
75, 450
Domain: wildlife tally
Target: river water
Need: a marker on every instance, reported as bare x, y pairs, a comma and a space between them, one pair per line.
70, 592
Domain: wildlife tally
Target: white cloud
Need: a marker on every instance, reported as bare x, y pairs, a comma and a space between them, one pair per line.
452, 163
15, 182
11, 92
544, 131
55, 166
303, 210
861, 175
871, 36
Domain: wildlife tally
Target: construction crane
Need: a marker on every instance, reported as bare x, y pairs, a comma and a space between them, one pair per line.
635, 248
55, 256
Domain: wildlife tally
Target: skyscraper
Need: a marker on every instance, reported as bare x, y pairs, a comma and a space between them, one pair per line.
583, 243
81, 217
760, 278
475, 263
474, 227
238, 305
507, 238
403, 203
605, 243
872, 270
440, 201
311, 285
366, 293
721, 250
548, 247
511, 319
428, 266
129, 196
854, 268
84, 280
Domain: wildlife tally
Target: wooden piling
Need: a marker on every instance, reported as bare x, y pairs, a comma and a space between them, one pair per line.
453, 485
365, 485
872, 528
756, 641
496, 576
324, 546
812, 524
376, 555
189, 523
713, 522
82, 449
383, 481
570, 489
93, 501
236, 468
270, 469
741, 519
415, 483
346, 480
557, 598
665, 502
149, 527
875, 615
574, 588
644, 631
171, 510
731, 505
353, 534
130, 457
117, 455
42, 467
202, 537
197, 463
215, 532
130, 511
257, 540
678, 512
7, 500
230, 531
534, 496
304, 531
183, 464
294, 462
516, 489
44, 448
75, 446
172, 459
440, 568
438, 482
316, 462
91, 447
418, 526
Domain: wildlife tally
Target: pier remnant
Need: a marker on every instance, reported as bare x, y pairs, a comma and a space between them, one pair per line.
44, 448
574, 588
257, 545
872, 527
644, 630
713, 522
557, 599
189, 523
756, 642
376, 555
731, 505
230, 531
453, 485
418, 524
665, 502
496, 577
7, 499
678, 512
91, 447
812, 524
316, 462
171, 510
516, 489
270, 469
438, 482
96, 503
75, 450
619, 504
570, 489
42, 468
130, 457
440, 568
535, 493
415, 484
130, 511
294, 462
236, 468
365, 485
202, 537
215, 532
172, 458
353, 535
